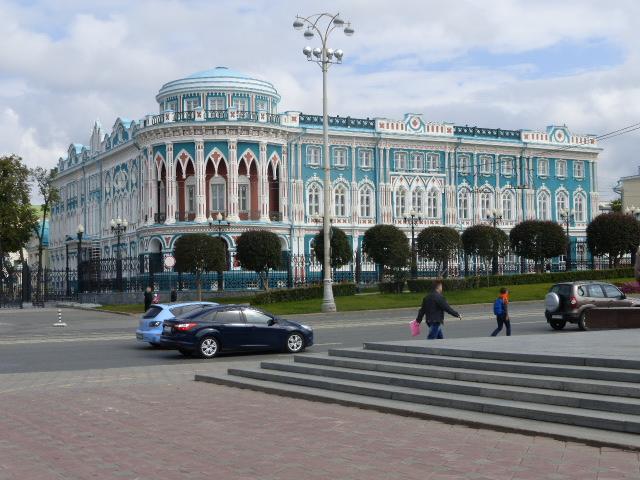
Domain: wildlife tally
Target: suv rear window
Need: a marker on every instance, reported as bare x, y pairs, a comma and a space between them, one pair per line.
152, 312
562, 290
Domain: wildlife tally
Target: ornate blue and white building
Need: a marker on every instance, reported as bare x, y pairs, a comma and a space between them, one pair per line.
220, 144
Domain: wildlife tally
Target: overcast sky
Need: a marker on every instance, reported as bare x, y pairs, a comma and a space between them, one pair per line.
503, 63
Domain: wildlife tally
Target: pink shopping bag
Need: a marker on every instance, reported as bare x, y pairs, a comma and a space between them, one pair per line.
415, 328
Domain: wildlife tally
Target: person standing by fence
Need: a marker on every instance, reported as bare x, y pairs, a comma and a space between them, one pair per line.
148, 298
501, 311
433, 307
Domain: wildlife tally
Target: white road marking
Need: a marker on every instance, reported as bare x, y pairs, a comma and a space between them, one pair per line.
331, 343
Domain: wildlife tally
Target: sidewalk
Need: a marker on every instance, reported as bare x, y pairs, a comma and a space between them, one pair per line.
171, 427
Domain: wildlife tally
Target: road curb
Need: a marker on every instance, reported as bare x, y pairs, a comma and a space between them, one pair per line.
91, 309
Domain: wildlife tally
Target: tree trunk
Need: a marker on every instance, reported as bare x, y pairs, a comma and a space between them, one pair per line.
264, 277
199, 285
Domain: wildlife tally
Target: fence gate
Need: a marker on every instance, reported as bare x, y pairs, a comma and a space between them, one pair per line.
12, 288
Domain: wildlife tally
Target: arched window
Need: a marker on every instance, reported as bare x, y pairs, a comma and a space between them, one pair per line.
432, 203
417, 200
340, 196
313, 199
485, 205
508, 210
433, 162
464, 204
366, 199
417, 161
218, 194
579, 206
244, 193
401, 202
544, 206
562, 204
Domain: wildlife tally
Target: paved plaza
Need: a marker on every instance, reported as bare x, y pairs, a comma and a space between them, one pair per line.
133, 424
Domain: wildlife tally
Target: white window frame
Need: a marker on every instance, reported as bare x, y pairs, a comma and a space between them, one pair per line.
400, 161
241, 104
561, 205
400, 202
464, 204
486, 167
191, 103
580, 208
433, 162
417, 161
244, 194
433, 202
463, 168
561, 168
216, 103
486, 204
578, 169
366, 202
506, 166
314, 200
340, 157
543, 167
171, 105
365, 157
216, 181
314, 155
544, 205
262, 104
340, 201
417, 200
190, 195
508, 204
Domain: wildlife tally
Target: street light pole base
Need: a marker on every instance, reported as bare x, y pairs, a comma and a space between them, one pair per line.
328, 303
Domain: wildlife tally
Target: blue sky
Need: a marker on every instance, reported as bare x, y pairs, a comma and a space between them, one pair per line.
497, 64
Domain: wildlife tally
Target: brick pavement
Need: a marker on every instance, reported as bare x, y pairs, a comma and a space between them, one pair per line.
168, 427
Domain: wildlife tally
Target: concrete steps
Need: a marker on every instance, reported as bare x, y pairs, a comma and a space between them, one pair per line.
592, 402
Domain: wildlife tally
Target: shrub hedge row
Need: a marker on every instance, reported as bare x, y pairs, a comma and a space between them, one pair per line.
391, 287
302, 293
466, 283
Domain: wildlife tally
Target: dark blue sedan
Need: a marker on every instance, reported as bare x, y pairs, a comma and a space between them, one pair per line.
224, 328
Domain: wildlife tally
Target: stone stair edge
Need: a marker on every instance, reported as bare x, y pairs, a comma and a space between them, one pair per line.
607, 362
585, 435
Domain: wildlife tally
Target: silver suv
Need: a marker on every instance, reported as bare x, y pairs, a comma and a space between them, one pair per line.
568, 302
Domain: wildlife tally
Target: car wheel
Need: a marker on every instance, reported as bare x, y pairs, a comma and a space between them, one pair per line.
557, 324
582, 325
186, 353
295, 343
208, 347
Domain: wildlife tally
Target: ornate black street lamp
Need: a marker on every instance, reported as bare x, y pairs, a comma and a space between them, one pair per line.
494, 217
219, 222
567, 217
118, 226
413, 218
79, 233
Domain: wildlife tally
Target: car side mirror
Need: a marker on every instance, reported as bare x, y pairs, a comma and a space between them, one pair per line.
272, 322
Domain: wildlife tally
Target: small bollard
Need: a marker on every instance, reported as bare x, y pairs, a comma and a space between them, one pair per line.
59, 322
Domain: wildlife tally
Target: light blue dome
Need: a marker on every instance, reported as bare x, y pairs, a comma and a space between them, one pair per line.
219, 79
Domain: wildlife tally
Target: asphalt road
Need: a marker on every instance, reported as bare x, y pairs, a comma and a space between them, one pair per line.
97, 340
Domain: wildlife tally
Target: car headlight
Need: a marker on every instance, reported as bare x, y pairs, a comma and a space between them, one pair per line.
155, 323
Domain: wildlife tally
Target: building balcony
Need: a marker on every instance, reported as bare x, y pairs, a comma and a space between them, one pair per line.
200, 115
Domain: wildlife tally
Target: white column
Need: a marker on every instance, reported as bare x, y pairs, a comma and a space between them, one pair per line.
201, 198
263, 183
283, 184
232, 181
354, 188
171, 186
152, 186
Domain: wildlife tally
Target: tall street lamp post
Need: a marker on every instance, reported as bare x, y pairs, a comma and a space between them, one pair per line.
79, 233
494, 217
66, 246
567, 217
220, 222
118, 226
322, 24
413, 217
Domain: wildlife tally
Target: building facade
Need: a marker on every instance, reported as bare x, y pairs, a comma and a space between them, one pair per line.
220, 145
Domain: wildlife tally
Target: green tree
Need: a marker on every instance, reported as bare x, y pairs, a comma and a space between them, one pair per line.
197, 253
485, 242
260, 251
616, 205
17, 218
438, 244
341, 253
44, 182
613, 234
388, 246
538, 240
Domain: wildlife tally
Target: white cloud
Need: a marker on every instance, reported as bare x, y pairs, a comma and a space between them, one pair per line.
66, 63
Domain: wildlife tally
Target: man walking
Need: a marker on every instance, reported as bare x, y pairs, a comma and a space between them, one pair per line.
148, 297
433, 307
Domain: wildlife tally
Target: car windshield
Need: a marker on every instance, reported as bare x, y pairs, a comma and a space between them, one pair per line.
152, 312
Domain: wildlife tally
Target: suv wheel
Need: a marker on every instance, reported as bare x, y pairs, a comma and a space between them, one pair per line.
208, 347
557, 324
582, 321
